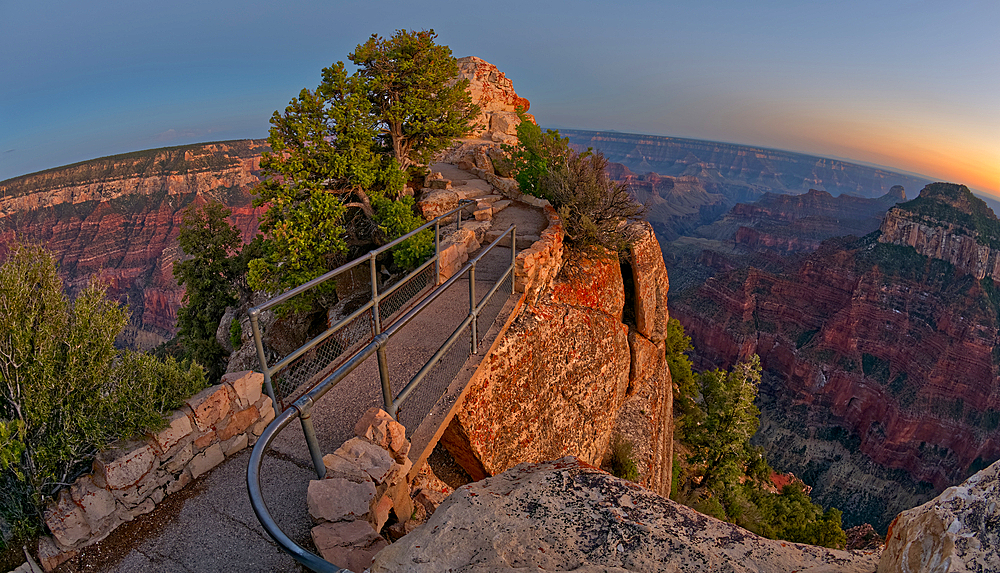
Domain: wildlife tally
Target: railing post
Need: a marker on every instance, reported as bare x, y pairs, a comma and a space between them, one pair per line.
437, 251
513, 258
472, 308
305, 416
383, 374
459, 224
259, 343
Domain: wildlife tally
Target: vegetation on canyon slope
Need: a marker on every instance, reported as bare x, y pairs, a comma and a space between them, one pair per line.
342, 153
65, 391
721, 473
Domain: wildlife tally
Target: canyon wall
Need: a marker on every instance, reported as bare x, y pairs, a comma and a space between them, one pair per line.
947, 222
742, 173
880, 385
117, 219
792, 223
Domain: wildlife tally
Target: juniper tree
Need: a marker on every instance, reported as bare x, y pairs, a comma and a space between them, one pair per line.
211, 243
339, 154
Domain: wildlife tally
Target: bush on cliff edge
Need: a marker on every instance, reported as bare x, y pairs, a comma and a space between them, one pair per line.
591, 205
65, 390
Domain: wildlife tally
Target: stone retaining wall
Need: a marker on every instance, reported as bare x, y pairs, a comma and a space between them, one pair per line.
129, 479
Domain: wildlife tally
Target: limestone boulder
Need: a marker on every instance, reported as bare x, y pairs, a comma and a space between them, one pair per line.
368, 457
338, 499
956, 532
350, 544
564, 515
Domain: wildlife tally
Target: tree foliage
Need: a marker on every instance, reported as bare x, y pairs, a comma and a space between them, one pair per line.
591, 205
682, 374
723, 474
718, 432
211, 243
65, 391
411, 85
339, 154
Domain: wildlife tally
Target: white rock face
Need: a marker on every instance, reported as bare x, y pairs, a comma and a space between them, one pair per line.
567, 516
956, 532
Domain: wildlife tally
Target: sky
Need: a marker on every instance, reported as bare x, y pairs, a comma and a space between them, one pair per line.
912, 85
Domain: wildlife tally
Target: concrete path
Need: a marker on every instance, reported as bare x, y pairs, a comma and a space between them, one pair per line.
210, 525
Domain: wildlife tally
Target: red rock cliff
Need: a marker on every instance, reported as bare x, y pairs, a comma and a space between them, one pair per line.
118, 218
881, 381
584, 361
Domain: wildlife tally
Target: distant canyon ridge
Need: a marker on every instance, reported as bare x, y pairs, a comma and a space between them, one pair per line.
117, 218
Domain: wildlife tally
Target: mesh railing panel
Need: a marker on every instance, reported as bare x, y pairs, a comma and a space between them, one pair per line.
492, 308
309, 369
399, 299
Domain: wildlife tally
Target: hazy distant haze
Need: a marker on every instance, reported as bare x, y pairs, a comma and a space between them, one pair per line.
910, 85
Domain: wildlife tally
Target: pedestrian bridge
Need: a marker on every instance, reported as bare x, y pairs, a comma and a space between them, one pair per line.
406, 344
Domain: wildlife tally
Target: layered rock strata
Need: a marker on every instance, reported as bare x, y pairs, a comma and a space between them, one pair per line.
117, 220
792, 223
947, 222
565, 515
881, 380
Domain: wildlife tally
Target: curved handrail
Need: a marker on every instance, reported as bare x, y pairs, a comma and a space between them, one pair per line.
301, 407
304, 557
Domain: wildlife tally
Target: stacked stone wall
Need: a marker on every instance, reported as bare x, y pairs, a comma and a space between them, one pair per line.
131, 478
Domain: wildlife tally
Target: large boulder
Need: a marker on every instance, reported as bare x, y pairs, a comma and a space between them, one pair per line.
956, 532
564, 515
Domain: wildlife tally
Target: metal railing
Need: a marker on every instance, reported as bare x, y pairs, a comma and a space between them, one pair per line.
301, 408
304, 367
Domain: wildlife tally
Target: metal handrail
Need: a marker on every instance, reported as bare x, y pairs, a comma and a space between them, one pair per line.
302, 407
372, 304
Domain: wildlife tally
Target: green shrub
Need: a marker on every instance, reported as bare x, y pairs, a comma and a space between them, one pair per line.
621, 463
235, 333
396, 218
591, 205
66, 391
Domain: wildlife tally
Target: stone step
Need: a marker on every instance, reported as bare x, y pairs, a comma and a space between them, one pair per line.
523, 241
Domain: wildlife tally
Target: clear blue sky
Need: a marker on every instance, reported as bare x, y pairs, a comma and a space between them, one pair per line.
910, 84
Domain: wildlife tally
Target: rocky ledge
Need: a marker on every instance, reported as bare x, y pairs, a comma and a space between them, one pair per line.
955, 532
565, 515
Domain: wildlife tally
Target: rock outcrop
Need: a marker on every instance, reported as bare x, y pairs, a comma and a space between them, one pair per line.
494, 93
584, 360
565, 515
118, 218
881, 379
955, 532
949, 223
